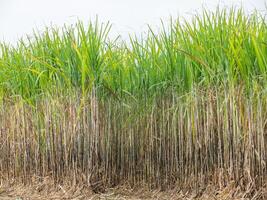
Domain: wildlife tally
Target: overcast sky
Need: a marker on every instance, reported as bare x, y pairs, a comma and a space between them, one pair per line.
20, 17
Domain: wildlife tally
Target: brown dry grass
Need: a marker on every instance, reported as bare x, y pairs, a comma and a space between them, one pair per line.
48, 190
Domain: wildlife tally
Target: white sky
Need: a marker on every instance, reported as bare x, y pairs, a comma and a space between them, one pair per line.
20, 17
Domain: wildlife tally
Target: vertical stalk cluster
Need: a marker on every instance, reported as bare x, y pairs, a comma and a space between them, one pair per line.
188, 142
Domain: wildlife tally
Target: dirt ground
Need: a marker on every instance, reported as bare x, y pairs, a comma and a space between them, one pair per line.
51, 192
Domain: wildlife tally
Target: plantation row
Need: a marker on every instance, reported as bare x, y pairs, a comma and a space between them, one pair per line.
182, 107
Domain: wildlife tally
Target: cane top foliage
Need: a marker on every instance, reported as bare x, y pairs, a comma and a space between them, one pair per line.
224, 48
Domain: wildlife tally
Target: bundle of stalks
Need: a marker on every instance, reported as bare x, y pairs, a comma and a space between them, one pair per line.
191, 141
